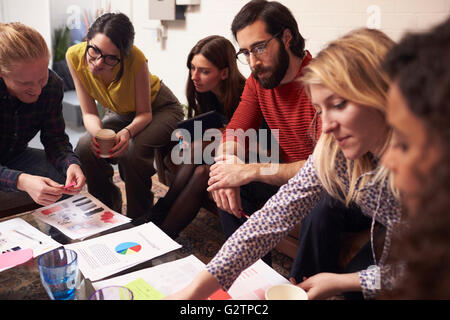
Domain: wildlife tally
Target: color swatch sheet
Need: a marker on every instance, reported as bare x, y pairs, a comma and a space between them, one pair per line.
80, 216
165, 279
253, 282
109, 254
17, 234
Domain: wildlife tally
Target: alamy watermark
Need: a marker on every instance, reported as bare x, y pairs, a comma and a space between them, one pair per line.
374, 19
262, 146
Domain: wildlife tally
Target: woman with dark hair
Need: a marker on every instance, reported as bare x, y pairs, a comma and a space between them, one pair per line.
419, 111
214, 84
225, 94
107, 68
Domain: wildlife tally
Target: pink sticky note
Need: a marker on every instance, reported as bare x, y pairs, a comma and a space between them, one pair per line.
14, 258
69, 185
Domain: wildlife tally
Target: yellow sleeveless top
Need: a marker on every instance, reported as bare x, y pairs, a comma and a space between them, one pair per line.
118, 96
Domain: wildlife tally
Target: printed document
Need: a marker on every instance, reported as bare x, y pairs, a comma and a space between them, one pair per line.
170, 277
80, 216
106, 255
17, 234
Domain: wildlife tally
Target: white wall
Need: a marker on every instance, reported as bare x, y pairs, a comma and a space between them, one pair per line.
71, 12
168, 61
35, 14
46, 15
319, 22
60, 15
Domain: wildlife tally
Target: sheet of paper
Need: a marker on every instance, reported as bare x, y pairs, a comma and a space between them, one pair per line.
253, 282
106, 255
143, 291
166, 278
80, 216
17, 234
173, 276
14, 258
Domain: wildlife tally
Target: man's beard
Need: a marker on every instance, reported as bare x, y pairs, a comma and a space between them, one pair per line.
278, 70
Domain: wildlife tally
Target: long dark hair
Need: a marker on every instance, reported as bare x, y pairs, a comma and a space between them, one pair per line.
119, 29
276, 17
222, 54
420, 66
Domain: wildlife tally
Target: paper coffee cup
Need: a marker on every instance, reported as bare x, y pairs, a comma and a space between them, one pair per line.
106, 139
286, 292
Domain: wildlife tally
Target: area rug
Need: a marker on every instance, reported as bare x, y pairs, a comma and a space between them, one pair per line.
203, 236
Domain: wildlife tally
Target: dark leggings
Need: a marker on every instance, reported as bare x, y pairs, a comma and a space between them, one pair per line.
320, 241
184, 198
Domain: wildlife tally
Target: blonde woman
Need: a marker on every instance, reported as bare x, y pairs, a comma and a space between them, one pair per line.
348, 88
31, 101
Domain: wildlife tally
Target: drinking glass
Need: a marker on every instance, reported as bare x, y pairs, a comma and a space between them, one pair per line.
112, 293
59, 273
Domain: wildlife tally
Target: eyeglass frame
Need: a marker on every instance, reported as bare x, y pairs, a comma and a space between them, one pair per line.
101, 55
262, 46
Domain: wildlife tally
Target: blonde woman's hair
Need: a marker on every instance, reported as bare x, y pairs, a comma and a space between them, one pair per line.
351, 67
18, 43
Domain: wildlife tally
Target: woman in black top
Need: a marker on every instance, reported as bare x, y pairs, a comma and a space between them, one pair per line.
214, 84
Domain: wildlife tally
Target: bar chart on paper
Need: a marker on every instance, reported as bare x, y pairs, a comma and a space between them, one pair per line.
127, 248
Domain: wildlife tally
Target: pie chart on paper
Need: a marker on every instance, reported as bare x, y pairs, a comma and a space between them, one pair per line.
126, 248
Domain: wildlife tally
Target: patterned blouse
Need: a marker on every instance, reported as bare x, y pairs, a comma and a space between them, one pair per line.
266, 227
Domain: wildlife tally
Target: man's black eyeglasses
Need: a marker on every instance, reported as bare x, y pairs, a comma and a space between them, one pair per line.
257, 51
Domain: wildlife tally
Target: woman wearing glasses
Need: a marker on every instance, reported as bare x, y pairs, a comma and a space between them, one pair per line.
110, 70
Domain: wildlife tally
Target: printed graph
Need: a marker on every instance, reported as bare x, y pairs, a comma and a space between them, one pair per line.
126, 248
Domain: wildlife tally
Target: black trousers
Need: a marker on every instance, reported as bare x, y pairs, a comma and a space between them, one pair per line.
253, 196
320, 241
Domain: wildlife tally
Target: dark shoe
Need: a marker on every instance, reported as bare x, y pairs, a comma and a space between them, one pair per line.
141, 220
160, 206
155, 216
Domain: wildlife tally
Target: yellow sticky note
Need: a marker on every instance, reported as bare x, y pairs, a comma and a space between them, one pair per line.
143, 291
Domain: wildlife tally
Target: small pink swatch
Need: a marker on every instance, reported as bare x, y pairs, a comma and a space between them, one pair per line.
51, 210
69, 185
14, 258
219, 295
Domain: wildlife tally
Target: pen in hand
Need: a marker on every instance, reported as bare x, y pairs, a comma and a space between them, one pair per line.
243, 213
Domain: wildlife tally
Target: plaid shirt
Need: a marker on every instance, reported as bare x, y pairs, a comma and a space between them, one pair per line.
20, 122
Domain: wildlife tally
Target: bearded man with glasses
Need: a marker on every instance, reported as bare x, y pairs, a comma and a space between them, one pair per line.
259, 52
271, 44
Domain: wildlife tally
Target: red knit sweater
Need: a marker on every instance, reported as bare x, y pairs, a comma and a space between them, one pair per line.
286, 107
